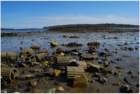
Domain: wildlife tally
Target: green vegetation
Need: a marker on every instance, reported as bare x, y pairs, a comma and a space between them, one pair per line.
93, 27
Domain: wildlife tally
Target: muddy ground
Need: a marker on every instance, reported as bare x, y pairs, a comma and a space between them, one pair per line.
124, 59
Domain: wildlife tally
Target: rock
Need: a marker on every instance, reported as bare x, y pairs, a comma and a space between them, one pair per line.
59, 50
64, 36
96, 74
26, 76
35, 46
106, 63
115, 37
74, 36
8, 56
60, 89
50, 71
93, 44
52, 90
125, 79
91, 50
54, 43
136, 48
106, 50
125, 89
129, 72
33, 83
112, 61
27, 51
106, 71
125, 43
40, 56
45, 63
116, 73
116, 84
118, 59
137, 85
118, 67
43, 50
93, 68
100, 61
102, 80
72, 44
102, 54
57, 72
130, 49
86, 56
82, 64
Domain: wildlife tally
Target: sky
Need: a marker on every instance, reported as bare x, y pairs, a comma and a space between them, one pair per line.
37, 14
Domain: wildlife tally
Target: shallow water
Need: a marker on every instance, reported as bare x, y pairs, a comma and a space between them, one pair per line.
13, 43
130, 59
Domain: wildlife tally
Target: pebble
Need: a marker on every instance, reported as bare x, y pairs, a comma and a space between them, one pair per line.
125, 89
129, 72
60, 88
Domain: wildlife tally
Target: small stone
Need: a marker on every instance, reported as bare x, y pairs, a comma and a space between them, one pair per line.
136, 48
125, 89
115, 73
102, 80
33, 83
130, 49
125, 79
116, 84
60, 88
129, 72
118, 67
137, 85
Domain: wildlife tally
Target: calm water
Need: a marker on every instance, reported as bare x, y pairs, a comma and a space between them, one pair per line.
13, 43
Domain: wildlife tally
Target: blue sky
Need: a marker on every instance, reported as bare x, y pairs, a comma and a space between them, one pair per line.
25, 14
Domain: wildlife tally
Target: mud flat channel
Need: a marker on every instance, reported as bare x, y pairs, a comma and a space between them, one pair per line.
119, 73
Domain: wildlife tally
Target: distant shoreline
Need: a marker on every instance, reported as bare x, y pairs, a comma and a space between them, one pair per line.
73, 28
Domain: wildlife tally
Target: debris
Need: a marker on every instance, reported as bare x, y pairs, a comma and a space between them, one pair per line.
76, 77
8, 56
8, 73
62, 60
73, 72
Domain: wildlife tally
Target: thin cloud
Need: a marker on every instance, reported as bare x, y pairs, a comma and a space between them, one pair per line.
42, 21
